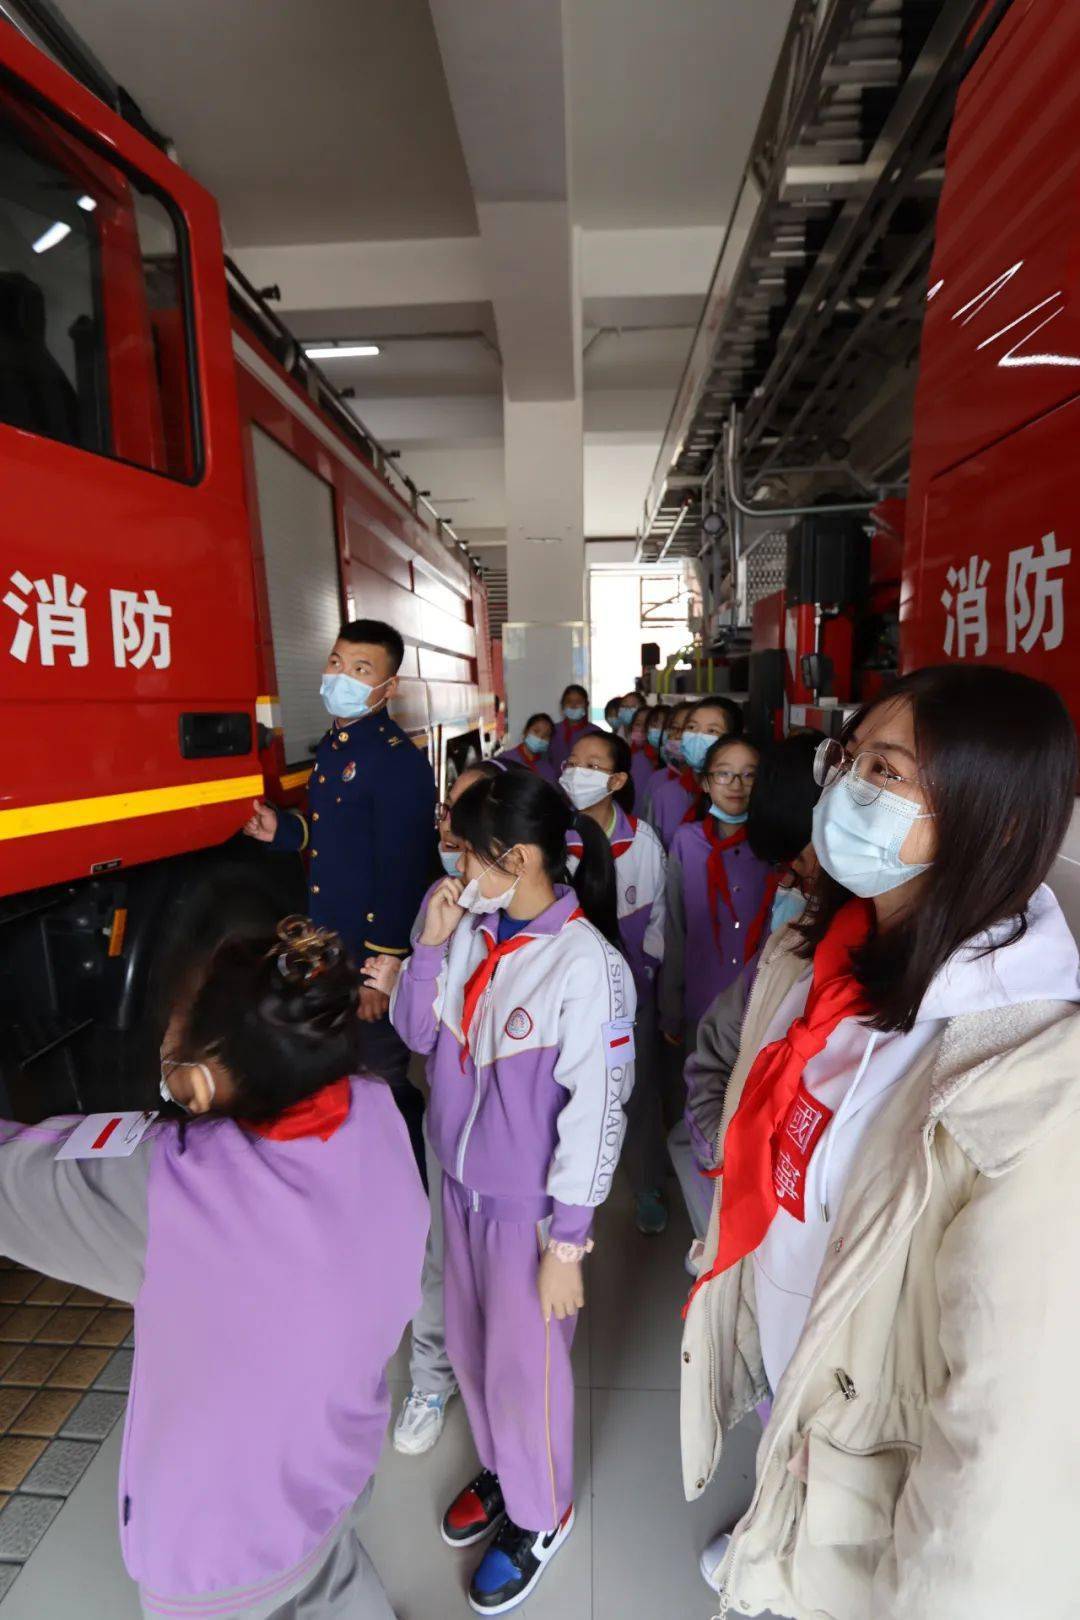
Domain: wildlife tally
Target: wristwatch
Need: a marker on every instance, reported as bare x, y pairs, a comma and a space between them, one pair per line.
571, 1253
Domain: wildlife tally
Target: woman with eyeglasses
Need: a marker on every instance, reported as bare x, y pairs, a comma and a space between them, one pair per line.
719, 894
519, 993
895, 1238
597, 782
268, 1228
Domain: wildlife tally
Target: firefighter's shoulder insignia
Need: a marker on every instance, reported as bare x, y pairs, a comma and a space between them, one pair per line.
393, 741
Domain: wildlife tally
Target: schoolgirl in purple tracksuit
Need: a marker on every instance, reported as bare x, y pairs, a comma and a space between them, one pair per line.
719, 894
673, 801
644, 752
533, 749
517, 991
669, 748
272, 1249
597, 782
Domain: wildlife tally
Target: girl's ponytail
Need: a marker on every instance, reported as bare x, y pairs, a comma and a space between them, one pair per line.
594, 880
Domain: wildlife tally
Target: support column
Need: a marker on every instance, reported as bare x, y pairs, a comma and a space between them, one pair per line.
545, 641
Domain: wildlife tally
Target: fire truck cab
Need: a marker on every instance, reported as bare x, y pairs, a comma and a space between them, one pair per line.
189, 513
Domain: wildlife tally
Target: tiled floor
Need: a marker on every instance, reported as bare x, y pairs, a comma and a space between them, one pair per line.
633, 1554
63, 1382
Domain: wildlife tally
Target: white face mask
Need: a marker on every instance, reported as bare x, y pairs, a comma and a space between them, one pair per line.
178, 1063
583, 786
482, 905
859, 844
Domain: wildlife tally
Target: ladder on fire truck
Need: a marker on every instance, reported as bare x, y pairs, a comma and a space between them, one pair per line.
811, 326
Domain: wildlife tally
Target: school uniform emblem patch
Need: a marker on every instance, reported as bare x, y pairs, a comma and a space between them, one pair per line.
349, 772
631, 895
519, 1025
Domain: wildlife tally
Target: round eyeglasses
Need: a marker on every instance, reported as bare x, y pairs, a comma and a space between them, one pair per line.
866, 774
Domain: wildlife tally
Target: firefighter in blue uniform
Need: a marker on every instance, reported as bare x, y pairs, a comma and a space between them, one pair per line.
369, 834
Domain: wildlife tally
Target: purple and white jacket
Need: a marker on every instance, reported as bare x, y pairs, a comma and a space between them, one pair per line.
669, 801
532, 1109
640, 884
272, 1280
701, 959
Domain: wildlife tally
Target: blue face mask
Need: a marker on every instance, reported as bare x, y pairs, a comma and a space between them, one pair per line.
346, 698
535, 744
695, 745
451, 860
788, 906
574, 714
654, 734
859, 844
626, 715
729, 821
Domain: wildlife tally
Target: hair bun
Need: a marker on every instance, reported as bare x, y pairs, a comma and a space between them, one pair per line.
311, 982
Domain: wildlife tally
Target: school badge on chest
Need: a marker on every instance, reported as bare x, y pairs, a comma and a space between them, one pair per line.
349, 772
631, 895
519, 1025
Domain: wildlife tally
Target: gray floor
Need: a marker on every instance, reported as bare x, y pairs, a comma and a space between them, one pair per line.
633, 1554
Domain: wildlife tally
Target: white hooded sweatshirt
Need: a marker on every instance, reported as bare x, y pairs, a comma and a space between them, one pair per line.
853, 1076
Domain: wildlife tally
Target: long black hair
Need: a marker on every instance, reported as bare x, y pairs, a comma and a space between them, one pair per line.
997, 757
519, 807
701, 808
279, 1013
782, 804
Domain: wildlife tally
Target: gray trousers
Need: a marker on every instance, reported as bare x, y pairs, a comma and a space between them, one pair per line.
346, 1586
429, 1364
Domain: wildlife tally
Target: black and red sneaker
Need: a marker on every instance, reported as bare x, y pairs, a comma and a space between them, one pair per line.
514, 1563
475, 1511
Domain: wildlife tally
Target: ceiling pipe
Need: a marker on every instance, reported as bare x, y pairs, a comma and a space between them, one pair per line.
747, 509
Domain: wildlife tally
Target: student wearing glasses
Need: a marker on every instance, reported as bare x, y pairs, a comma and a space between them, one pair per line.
719, 894
895, 1234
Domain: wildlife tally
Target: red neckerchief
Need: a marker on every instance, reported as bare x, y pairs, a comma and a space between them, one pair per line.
570, 728
651, 755
750, 1198
321, 1114
482, 975
690, 784
526, 756
719, 892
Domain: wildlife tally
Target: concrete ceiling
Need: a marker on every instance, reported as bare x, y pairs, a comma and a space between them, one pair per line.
333, 136
310, 122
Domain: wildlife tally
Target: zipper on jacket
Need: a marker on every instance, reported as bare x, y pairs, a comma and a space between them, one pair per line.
847, 1388
475, 1109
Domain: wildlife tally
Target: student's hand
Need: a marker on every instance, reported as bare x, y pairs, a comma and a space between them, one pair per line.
381, 973
561, 1287
374, 1004
263, 824
443, 912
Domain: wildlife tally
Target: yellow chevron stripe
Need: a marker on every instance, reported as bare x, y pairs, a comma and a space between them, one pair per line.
33, 819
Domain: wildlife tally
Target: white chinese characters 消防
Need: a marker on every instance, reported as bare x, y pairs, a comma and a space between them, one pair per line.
55, 610
1034, 602
140, 627
52, 618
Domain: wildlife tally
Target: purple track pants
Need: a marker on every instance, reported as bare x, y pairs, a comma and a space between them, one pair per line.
513, 1369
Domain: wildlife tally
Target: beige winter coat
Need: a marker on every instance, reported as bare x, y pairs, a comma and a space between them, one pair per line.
923, 1457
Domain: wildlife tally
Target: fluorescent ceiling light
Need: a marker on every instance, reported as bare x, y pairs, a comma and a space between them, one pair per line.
87, 204
49, 238
342, 351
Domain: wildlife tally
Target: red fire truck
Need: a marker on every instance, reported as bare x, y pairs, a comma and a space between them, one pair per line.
188, 512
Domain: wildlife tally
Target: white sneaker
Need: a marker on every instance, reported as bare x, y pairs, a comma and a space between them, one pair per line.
420, 1423
711, 1560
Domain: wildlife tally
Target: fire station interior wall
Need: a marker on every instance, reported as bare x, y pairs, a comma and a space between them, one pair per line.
296, 519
